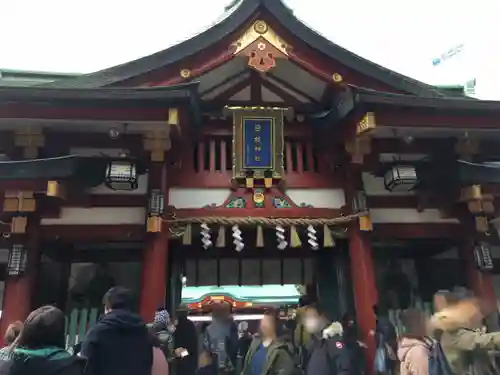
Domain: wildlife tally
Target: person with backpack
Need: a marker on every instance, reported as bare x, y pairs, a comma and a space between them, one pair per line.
465, 346
221, 339
414, 345
326, 352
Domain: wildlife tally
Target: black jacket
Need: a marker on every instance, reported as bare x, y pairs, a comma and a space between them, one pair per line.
119, 344
328, 357
44, 361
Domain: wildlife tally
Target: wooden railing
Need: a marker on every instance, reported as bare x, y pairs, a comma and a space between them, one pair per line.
209, 164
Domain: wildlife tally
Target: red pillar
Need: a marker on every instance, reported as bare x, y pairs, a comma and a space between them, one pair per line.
480, 282
365, 289
19, 290
155, 257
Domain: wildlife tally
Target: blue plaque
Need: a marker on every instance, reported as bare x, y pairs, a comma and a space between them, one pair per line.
258, 143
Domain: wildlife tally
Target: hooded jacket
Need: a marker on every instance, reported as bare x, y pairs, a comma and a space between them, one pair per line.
47, 361
279, 358
327, 353
413, 355
119, 344
465, 348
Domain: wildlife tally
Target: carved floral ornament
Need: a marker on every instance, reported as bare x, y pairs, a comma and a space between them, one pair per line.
262, 46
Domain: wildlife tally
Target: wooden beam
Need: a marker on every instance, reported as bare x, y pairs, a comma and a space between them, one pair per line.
226, 95
255, 87
287, 98
290, 87
221, 83
394, 116
418, 231
123, 232
23, 111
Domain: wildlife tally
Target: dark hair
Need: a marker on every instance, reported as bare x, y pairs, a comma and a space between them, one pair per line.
279, 327
451, 298
413, 321
12, 331
317, 307
44, 327
117, 297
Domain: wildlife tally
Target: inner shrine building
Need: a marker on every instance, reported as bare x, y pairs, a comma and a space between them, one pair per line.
254, 153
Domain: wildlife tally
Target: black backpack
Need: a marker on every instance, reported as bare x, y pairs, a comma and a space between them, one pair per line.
438, 364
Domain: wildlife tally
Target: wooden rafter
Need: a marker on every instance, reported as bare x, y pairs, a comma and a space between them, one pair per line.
225, 81
226, 95
288, 98
255, 87
290, 87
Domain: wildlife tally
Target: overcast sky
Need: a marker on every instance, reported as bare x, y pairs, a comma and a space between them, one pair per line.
85, 36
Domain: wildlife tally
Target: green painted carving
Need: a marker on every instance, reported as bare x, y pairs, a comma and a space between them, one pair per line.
237, 202
280, 202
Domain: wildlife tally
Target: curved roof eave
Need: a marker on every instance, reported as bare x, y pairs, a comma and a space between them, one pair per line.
229, 24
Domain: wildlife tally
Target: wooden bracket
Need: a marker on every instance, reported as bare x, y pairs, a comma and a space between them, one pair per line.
467, 148
366, 124
154, 224
56, 190
30, 140
19, 201
477, 202
18, 225
358, 148
157, 142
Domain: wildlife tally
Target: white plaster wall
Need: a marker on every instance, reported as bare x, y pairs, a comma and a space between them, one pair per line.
196, 198
142, 189
408, 215
98, 216
318, 198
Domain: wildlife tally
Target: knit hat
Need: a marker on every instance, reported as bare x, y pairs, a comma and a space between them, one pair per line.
162, 318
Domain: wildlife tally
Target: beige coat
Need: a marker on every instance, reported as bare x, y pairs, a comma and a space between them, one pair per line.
413, 355
466, 348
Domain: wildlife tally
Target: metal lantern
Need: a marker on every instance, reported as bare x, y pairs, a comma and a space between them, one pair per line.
483, 257
401, 178
18, 259
156, 203
121, 175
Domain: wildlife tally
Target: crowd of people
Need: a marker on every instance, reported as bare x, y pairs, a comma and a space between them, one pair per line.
453, 341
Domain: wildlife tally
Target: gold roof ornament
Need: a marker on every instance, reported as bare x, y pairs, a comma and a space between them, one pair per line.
262, 46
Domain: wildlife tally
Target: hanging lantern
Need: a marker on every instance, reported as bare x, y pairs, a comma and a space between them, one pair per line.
18, 258
206, 237
312, 238
237, 239
280, 237
156, 203
401, 178
483, 257
121, 175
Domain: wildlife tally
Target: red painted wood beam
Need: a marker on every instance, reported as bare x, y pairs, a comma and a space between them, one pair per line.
297, 212
435, 118
224, 128
17, 111
124, 232
417, 230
